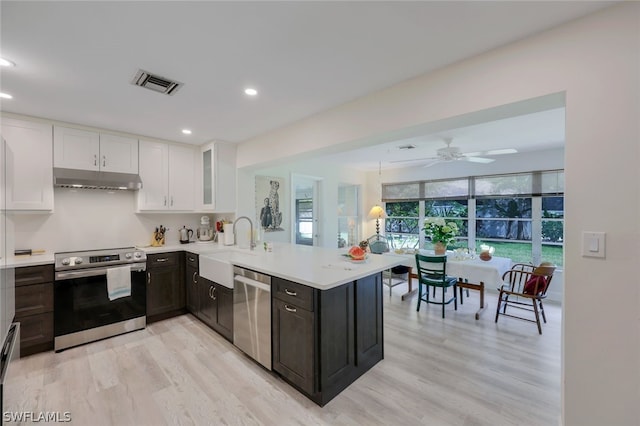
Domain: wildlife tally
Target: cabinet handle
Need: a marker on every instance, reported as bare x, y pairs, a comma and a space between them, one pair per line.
104, 161
192, 259
290, 293
162, 259
95, 160
213, 293
172, 201
195, 281
290, 309
148, 278
165, 200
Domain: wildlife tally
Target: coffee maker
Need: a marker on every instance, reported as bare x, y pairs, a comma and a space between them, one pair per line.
205, 232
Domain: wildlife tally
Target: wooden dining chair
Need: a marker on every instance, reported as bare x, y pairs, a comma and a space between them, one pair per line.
524, 288
432, 271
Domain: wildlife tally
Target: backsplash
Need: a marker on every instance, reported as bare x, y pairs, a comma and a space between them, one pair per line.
85, 219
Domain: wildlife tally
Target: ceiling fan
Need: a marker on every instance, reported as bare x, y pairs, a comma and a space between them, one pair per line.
453, 153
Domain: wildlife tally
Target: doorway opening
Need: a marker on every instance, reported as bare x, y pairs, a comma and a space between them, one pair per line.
305, 207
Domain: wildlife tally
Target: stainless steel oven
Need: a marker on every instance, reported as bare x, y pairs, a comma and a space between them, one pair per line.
98, 294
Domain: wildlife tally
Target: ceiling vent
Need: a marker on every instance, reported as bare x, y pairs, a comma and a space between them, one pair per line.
155, 82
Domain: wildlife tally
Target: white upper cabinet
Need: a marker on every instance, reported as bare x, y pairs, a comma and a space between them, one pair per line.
168, 177
86, 150
118, 154
28, 157
217, 177
181, 177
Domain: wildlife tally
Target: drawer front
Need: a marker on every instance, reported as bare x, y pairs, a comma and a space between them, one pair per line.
29, 275
34, 299
36, 329
293, 293
161, 260
191, 259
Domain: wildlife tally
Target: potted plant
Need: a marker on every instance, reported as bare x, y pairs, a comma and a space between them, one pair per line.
440, 232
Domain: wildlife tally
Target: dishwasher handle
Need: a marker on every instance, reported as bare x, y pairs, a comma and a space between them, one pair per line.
252, 283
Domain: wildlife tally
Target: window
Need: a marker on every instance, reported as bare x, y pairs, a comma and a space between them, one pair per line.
452, 211
304, 221
520, 214
348, 215
505, 223
402, 224
552, 229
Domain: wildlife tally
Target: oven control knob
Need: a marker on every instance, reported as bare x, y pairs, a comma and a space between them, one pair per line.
66, 261
138, 255
78, 260
128, 255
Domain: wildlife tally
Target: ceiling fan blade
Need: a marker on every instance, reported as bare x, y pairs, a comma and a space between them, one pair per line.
431, 163
491, 152
413, 159
478, 159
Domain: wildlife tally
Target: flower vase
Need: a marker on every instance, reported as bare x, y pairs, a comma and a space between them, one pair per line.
439, 248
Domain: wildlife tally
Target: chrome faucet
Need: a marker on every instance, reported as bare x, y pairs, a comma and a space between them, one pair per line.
252, 245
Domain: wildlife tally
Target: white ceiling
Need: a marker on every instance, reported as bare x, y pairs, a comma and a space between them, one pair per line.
75, 60
536, 131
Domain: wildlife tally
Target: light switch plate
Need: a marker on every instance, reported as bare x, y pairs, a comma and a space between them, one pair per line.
593, 244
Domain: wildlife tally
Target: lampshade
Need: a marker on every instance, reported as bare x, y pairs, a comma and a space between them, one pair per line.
377, 212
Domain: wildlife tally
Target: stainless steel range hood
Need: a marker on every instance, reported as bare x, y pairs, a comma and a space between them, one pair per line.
71, 178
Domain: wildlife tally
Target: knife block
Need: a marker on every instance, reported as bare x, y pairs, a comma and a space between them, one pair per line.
157, 239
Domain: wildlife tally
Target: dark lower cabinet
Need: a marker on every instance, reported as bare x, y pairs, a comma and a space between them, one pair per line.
369, 347
191, 283
208, 311
294, 345
224, 324
34, 308
216, 307
165, 286
323, 340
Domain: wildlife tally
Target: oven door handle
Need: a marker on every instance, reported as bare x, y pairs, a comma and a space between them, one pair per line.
94, 272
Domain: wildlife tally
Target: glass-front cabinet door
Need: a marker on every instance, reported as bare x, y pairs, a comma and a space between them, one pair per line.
217, 183
208, 154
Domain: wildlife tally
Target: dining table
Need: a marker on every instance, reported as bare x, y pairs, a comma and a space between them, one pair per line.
472, 272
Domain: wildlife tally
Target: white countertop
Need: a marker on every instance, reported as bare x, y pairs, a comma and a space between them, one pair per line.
19, 261
317, 267
195, 247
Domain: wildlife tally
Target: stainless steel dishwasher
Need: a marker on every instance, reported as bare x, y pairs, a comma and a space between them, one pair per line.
252, 314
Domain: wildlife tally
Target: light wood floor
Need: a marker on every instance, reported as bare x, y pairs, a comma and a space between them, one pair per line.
456, 371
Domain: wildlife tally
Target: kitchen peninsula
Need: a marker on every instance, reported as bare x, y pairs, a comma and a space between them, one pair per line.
326, 318
326, 311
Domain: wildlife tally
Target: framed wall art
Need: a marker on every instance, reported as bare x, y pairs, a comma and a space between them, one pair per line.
269, 193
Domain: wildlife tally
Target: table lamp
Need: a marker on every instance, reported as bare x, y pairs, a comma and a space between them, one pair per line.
378, 213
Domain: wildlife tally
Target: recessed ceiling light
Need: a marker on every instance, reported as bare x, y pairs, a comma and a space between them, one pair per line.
251, 92
186, 131
5, 96
6, 63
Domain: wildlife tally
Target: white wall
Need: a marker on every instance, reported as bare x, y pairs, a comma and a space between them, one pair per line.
86, 219
595, 62
331, 177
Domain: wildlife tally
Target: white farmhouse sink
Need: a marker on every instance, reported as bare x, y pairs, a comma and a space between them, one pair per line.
217, 268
